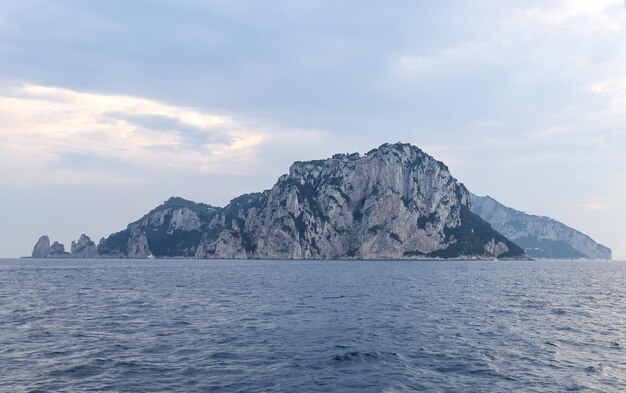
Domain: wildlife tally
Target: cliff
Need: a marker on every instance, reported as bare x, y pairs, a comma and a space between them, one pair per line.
541, 237
395, 202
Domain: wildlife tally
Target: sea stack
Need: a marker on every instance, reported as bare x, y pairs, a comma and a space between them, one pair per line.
57, 250
42, 247
83, 248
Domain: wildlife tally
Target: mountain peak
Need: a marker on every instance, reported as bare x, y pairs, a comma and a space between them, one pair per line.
394, 202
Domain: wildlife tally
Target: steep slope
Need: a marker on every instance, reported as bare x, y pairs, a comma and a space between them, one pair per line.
541, 237
173, 229
394, 202
42, 247
83, 248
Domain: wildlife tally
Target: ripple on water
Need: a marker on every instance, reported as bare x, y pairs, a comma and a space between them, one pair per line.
361, 356
323, 326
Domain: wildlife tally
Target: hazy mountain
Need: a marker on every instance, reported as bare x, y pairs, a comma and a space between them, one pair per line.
540, 237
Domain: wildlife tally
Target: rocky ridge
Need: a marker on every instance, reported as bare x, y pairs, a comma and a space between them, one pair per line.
541, 237
395, 202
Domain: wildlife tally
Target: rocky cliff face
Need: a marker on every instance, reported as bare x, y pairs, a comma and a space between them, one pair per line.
83, 248
173, 229
394, 202
42, 248
541, 237
57, 250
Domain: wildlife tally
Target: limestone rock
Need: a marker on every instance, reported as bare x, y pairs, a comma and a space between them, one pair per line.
394, 202
138, 247
57, 250
42, 248
83, 248
541, 237
496, 248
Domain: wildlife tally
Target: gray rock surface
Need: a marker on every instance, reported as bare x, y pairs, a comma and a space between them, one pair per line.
138, 246
83, 248
57, 250
394, 202
541, 237
42, 248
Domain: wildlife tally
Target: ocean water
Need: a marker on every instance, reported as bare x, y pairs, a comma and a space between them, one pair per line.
314, 326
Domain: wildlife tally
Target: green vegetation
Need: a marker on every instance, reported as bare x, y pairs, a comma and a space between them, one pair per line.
546, 248
423, 220
471, 236
175, 244
117, 243
375, 229
248, 243
413, 254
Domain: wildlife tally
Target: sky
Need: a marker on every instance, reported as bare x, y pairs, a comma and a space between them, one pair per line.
109, 108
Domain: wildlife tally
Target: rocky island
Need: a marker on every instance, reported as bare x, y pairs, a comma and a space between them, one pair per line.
394, 202
83, 248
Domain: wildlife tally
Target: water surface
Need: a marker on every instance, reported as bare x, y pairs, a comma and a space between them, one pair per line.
316, 326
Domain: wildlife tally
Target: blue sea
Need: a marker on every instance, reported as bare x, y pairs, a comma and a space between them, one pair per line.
311, 326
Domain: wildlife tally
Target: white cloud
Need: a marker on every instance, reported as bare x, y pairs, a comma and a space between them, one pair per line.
615, 87
43, 128
593, 206
597, 13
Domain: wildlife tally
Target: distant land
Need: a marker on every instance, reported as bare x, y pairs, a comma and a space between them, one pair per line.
394, 202
540, 237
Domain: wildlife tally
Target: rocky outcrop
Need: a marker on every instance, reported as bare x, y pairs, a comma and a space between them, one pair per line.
395, 202
42, 248
83, 248
541, 237
57, 250
173, 229
138, 246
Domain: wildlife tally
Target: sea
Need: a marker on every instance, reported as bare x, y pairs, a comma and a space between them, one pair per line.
181, 325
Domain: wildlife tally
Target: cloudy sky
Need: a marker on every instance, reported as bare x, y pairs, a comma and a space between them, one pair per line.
109, 108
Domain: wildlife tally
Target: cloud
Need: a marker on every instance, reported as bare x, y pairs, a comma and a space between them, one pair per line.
613, 91
193, 135
593, 206
59, 135
597, 14
217, 98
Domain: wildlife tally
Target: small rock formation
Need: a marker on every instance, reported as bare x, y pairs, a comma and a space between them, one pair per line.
57, 250
540, 237
83, 248
42, 247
